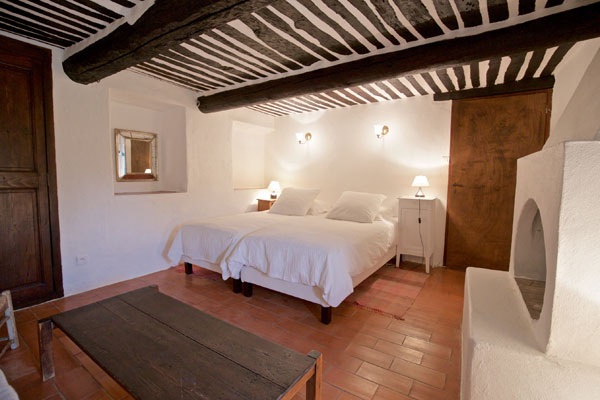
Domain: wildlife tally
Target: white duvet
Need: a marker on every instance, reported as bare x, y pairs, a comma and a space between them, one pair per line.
311, 250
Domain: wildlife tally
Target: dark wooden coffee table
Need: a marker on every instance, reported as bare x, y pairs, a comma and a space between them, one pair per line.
157, 347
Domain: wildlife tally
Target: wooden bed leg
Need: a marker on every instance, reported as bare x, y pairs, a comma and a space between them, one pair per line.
188, 268
237, 286
326, 315
45, 343
247, 289
313, 385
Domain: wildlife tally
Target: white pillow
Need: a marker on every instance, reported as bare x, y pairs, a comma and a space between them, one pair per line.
318, 207
357, 207
294, 201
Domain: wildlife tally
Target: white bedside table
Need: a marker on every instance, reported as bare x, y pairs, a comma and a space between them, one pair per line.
409, 241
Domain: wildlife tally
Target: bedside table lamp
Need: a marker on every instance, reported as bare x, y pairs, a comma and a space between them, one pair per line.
274, 188
420, 181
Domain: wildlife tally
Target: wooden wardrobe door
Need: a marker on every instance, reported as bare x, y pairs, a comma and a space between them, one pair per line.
488, 136
29, 248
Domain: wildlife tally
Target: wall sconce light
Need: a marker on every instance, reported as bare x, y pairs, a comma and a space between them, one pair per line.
420, 181
381, 131
303, 138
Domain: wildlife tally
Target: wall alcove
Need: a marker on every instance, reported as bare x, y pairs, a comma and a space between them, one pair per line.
530, 258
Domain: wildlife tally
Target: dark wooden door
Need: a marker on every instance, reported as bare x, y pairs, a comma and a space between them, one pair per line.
29, 241
488, 136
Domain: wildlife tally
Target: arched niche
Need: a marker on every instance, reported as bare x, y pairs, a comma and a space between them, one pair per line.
530, 258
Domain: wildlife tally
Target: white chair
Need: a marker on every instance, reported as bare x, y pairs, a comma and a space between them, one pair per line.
7, 316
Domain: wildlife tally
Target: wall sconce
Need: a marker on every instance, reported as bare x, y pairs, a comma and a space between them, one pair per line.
381, 131
303, 138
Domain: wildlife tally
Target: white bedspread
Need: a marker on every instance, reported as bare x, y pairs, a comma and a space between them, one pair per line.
314, 251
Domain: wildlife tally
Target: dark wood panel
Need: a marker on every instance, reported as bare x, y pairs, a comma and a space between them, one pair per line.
488, 135
30, 264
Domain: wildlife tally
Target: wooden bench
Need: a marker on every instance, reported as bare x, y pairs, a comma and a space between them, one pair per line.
157, 347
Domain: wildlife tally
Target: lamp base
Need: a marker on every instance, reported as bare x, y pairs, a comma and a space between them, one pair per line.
273, 196
420, 193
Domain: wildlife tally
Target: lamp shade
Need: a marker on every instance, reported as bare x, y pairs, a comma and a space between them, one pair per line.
420, 181
274, 187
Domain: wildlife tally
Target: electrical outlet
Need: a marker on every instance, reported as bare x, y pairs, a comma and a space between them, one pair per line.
81, 260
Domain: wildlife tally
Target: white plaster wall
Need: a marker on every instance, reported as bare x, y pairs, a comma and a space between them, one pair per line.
344, 153
248, 155
575, 100
124, 236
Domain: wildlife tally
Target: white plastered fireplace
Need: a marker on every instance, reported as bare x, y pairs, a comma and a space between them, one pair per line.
507, 354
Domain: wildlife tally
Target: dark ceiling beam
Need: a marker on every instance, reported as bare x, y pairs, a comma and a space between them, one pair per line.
162, 26
525, 85
553, 30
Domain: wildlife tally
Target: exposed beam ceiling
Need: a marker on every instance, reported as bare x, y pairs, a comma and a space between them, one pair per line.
569, 26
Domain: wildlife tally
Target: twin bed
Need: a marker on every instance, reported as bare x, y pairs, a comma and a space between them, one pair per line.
311, 257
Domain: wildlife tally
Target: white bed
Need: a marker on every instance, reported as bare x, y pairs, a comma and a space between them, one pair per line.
310, 257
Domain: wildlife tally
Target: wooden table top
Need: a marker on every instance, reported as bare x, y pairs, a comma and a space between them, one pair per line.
157, 347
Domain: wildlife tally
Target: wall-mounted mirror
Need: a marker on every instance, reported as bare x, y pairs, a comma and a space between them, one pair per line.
136, 155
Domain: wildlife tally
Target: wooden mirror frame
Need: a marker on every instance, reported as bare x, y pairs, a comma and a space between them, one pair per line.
144, 136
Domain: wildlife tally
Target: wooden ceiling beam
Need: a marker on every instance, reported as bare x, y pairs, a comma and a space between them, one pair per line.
162, 26
553, 30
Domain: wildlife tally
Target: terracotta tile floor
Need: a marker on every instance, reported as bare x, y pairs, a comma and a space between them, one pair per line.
366, 355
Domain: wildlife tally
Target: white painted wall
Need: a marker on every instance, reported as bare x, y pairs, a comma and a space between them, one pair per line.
248, 155
344, 153
124, 236
575, 99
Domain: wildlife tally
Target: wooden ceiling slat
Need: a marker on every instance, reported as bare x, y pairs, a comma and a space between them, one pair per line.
11, 26
124, 3
386, 89
388, 14
68, 14
273, 107
232, 58
313, 103
284, 106
344, 13
355, 44
46, 10
446, 13
469, 12
401, 87
359, 91
175, 73
242, 73
344, 99
84, 11
416, 85
161, 78
516, 62
497, 10
445, 79
419, 17
429, 80
171, 76
556, 58
279, 23
552, 3
262, 60
526, 6
351, 96
377, 93
534, 63
474, 67
492, 72
330, 99
302, 103
365, 10
41, 29
184, 62
460, 77
301, 22
182, 70
259, 47
321, 101
45, 21
266, 111
276, 42
214, 72
100, 8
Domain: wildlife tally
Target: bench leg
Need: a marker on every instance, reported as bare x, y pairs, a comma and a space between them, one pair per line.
237, 286
11, 325
188, 268
326, 315
313, 385
247, 289
45, 343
